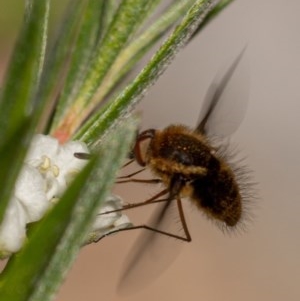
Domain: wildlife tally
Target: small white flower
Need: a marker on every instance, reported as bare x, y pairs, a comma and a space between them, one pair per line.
108, 222
105, 224
48, 170
56, 162
12, 230
30, 193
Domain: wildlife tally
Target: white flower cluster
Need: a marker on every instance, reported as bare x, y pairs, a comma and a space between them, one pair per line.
48, 169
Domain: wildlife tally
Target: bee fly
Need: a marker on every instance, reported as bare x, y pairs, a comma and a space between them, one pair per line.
187, 164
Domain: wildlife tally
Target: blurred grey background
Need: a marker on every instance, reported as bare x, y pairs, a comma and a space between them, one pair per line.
262, 263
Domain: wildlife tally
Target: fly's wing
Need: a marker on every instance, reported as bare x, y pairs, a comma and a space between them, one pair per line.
225, 103
152, 252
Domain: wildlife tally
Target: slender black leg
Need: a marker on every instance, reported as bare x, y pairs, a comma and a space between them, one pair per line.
187, 239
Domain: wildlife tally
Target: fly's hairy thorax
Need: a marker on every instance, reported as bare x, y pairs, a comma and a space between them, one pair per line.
177, 149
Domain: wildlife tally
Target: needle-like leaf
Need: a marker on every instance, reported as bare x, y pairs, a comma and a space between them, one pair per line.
18, 110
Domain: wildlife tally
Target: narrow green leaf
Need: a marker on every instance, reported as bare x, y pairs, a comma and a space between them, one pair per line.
220, 6
17, 98
84, 47
128, 18
23, 76
56, 59
12, 155
140, 45
126, 21
127, 100
109, 9
53, 243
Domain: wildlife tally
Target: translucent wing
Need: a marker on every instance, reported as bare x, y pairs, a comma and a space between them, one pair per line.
152, 252
225, 103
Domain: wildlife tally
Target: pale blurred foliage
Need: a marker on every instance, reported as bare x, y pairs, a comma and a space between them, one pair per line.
11, 14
